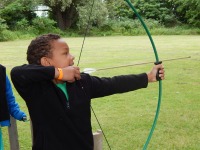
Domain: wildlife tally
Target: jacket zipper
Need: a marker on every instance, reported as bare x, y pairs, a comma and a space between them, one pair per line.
68, 106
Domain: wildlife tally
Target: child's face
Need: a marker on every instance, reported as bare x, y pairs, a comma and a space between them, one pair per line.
60, 54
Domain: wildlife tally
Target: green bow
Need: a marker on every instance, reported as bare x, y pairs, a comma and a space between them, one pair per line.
160, 81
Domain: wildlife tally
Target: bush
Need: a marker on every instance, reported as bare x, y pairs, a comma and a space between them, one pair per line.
44, 25
7, 35
22, 24
126, 26
16, 10
3, 25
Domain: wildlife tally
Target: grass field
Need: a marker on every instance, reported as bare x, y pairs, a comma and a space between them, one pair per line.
127, 118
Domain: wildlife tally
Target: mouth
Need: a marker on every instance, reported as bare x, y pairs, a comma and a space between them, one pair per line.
71, 64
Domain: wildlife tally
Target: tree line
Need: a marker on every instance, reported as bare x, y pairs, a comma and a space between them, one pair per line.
73, 14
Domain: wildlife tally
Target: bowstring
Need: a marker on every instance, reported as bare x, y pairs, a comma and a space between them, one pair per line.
86, 31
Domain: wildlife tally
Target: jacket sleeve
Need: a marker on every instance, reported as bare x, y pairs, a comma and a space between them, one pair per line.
12, 104
26, 74
117, 84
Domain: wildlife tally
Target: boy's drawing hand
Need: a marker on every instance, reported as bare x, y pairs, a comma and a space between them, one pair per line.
152, 74
71, 73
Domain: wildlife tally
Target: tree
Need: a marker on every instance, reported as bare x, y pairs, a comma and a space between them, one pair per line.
118, 9
67, 13
4, 3
188, 11
148, 9
62, 11
97, 17
14, 11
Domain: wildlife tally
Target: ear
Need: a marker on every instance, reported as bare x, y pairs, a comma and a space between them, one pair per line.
45, 62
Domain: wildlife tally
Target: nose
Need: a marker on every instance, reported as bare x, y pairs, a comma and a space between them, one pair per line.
72, 60
72, 57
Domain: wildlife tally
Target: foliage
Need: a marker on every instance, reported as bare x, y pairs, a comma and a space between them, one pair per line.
74, 13
24, 30
189, 11
3, 25
63, 12
97, 16
16, 11
43, 25
118, 9
128, 26
7, 35
4, 3
58, 4
3, 30
23, 24
154, 9
38, 26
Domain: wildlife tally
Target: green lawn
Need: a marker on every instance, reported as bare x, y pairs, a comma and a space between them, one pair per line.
127, 118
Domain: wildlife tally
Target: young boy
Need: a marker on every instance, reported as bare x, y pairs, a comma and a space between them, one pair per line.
58, 96
8, 105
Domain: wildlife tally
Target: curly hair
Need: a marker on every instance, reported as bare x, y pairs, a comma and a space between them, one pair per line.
40, 47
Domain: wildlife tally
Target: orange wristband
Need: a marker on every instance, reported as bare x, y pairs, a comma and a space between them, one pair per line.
60, 76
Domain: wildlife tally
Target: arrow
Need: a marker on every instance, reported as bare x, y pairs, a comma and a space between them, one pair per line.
91, 70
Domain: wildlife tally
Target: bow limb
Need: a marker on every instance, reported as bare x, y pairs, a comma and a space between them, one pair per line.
160, 81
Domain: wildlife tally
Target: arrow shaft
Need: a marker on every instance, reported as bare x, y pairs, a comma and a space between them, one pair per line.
137, 64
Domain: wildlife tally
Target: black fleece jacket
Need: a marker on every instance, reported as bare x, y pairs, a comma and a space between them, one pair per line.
55, 126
